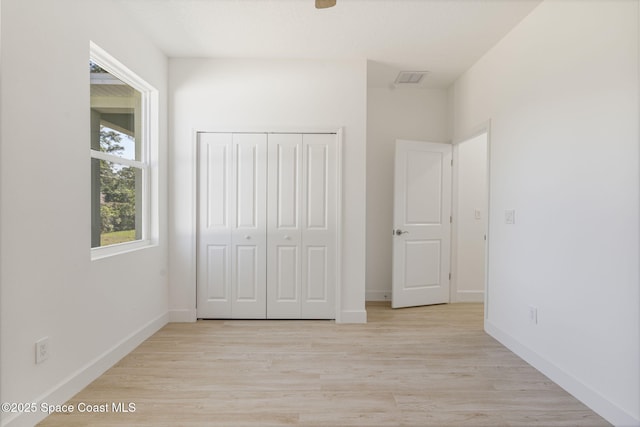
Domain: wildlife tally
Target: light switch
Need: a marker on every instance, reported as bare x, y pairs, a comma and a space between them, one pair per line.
477, 213
510, 216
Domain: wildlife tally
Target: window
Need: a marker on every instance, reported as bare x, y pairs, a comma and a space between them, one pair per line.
120, 142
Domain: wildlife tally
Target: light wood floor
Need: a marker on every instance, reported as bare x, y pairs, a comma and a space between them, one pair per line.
427, 366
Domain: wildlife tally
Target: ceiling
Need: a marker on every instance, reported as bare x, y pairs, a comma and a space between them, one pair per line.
444, 37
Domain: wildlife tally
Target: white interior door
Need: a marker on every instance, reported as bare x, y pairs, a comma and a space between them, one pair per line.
422, 227
301, 226
319, 225
231, 272
284, 271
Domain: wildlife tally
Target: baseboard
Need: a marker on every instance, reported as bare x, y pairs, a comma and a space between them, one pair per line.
378, 295
470, 296
69, 387
590, 397
352, 316
183, 316
460, 296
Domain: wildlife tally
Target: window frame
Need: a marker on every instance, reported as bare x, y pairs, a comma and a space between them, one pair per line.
148, 141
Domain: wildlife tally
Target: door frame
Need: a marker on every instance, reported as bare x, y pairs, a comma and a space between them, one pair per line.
338, 131
484, 128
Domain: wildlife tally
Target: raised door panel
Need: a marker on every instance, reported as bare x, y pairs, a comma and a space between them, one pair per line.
247, 272
422, 266
217, 274
424, 187
216, 170
284, 279
317, 270
287, 269
249, 156
287, 181
317, 180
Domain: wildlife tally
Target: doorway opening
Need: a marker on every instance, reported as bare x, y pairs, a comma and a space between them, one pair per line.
470, 205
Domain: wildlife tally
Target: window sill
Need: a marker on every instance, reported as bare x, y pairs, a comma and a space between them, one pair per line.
120, 248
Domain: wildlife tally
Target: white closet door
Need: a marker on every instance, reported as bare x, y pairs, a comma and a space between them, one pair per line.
302, 226
267, 225
319, 226
249, 236
284, 227
232, 226
215, 172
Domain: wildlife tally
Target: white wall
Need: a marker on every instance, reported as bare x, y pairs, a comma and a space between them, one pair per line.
266, 95
418, 114
470, 196
92, 311
561, 91
1, 97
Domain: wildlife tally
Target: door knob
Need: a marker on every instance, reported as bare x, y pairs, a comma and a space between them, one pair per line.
287, 238
399, 232
247, 237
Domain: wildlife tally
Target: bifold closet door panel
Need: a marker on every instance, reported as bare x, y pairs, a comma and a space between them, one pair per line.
284, 237
231, 272
215, 153
249, 235
319, 226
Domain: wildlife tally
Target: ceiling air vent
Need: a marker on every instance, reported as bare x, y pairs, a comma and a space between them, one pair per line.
410, 77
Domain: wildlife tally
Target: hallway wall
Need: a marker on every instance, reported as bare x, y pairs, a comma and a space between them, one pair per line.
561, 92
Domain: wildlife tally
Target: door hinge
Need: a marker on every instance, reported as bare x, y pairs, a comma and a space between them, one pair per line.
449, 276
450, 219
451, 162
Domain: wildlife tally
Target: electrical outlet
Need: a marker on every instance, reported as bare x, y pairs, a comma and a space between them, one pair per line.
42, 350
533, 315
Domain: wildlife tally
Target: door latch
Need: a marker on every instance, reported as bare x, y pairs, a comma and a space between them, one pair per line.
399, 232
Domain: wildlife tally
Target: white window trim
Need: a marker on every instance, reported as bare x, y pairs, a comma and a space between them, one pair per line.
117, 159
149, 144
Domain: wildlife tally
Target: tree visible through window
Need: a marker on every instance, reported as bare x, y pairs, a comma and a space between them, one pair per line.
117, 192
119, 165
